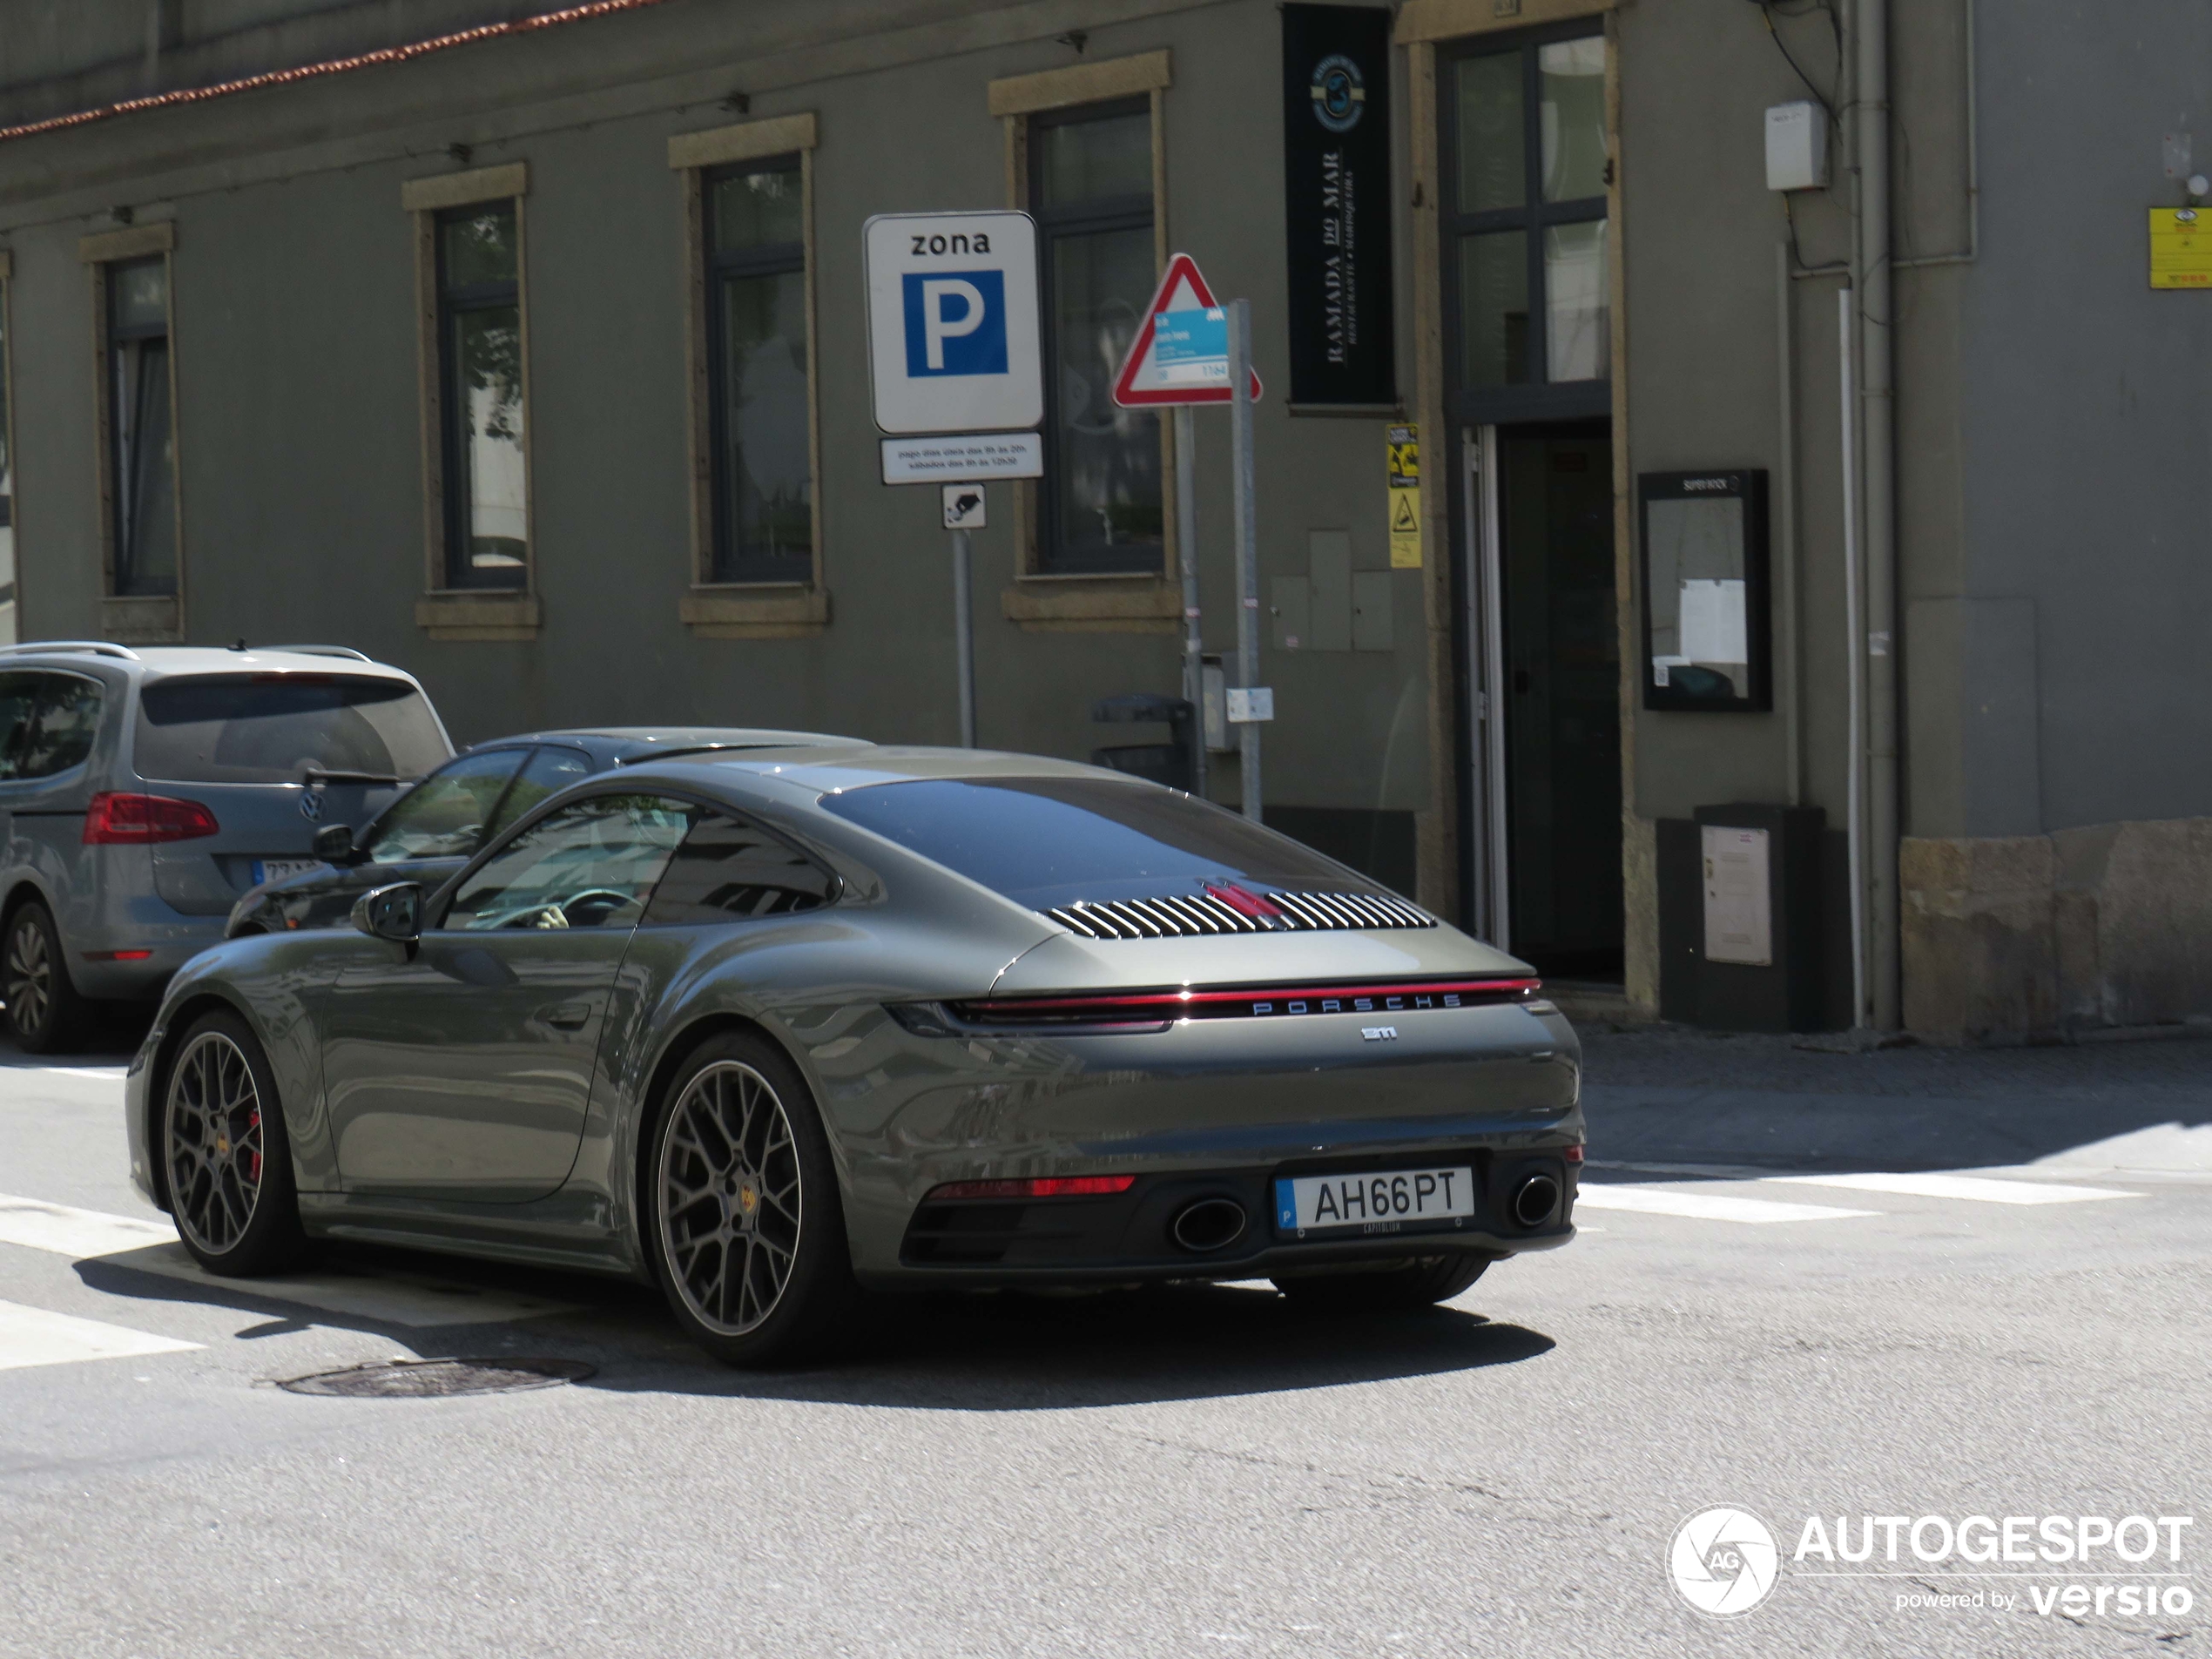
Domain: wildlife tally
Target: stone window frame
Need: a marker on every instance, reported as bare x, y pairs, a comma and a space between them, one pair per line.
1135, 601
458, 613
715, 610
133, 618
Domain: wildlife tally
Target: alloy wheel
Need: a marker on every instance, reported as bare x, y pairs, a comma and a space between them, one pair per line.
730, 1199
215, 1143
29, 987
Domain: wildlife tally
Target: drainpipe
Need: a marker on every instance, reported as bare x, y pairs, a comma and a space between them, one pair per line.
1878, 464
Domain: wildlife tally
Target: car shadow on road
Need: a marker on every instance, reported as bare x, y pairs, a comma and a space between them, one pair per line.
975, 1353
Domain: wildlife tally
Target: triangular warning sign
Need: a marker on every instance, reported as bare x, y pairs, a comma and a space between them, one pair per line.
1141, 384
1404, 521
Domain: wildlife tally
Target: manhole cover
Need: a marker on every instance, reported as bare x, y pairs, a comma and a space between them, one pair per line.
440, 1379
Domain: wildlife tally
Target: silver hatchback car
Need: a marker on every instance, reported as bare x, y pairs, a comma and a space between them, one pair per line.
142, 790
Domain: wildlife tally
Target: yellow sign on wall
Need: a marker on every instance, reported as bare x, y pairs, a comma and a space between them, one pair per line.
1403, 472
2181, 248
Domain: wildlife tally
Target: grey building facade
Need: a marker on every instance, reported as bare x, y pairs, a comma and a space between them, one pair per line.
525, 349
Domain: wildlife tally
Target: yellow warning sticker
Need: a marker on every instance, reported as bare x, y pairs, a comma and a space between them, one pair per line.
1402, 469
2180, 247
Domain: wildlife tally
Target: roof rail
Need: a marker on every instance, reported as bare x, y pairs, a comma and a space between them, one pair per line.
322, 650
95, 647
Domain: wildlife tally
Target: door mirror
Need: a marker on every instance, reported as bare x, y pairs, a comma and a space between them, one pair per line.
393, 913
333, 843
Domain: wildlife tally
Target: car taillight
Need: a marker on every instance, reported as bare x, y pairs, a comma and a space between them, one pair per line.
1059, 1186
113, 820
1575, 1153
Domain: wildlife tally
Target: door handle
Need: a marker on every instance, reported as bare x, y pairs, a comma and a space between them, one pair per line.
566, 1016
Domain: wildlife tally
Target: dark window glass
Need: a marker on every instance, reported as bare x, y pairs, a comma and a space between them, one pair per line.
271, 728
445, 816
550, 770
1047, 841
726, 871
16, 692
7, 502
590, 864
1101, 497
143, 456
757, 366
1527, 218
486, 480
64, 719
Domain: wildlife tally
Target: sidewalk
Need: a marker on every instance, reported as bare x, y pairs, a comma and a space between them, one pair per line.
1660, 1094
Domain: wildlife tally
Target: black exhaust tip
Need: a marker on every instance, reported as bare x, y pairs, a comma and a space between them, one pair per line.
1535, 1200
1207, 1226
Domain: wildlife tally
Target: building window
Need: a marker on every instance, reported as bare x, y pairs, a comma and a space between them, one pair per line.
480, 402
1090, 186
7, 477
142, 449
1525, 214
759, 429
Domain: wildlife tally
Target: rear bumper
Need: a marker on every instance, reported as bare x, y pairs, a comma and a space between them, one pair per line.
1130, 1235
170, 942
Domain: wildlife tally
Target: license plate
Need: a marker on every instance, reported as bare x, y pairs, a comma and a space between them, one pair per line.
1376, 1201
277, 869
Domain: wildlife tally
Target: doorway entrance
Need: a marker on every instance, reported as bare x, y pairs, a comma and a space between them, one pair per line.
1543, 794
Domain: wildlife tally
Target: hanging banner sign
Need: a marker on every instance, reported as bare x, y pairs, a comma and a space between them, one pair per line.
1336, 175
1180, 354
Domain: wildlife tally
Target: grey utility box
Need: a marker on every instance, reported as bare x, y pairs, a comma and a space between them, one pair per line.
1740, 919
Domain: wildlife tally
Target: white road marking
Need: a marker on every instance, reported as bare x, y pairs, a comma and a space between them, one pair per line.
77, 1234
1698, 1206
1974, 1189
33, 1336
153, 1247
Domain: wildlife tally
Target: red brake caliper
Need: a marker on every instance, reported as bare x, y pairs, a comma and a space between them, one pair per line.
254, 1159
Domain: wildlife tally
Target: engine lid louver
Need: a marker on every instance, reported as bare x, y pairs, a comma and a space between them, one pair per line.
1236, 910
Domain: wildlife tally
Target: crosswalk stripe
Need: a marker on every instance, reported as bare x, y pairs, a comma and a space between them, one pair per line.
67, 1231
35, 1337
1974, 1189
1699, 1206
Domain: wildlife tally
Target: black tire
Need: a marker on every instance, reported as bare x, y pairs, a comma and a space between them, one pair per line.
45, 1012
1394, 1289
738, 1176
225, 1158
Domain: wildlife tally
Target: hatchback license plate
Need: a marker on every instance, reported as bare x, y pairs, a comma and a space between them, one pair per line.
277, 869
1379, 1201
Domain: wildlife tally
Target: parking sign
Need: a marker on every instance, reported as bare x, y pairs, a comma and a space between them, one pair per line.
953, 322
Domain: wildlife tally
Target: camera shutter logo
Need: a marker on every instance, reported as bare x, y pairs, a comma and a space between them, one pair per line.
1339, 93
1724, 1562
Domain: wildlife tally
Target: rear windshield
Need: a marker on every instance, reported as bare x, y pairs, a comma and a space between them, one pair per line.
271, 728
1048, 841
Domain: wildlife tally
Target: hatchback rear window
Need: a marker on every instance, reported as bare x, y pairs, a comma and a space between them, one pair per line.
1048, 841
274, 728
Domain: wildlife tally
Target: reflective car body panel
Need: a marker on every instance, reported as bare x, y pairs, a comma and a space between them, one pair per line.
489, 1092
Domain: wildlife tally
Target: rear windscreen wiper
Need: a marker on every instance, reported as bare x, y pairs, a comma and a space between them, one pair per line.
318, 775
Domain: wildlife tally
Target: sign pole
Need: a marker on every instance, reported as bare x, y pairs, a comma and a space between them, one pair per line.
1186, 545
1240, 433
964, 638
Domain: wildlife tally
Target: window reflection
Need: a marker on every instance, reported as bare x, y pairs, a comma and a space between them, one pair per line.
488, 478
764, 517
142, 449
1571, 76
1578, 317
1493, 158
1493, 309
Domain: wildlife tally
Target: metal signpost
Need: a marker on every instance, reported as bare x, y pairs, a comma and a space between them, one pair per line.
1181, 357
957, 374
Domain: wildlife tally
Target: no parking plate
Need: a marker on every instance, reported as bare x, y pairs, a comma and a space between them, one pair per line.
1377, 1201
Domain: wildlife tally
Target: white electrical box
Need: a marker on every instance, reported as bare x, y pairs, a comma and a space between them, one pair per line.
1739, 915
1797, 146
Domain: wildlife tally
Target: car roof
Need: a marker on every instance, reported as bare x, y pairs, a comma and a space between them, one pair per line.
820, 769
634, 744
151, 661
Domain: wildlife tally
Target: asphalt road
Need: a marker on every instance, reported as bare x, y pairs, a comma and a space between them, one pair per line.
1184, 1471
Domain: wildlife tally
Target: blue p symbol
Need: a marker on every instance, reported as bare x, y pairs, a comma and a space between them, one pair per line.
955, 322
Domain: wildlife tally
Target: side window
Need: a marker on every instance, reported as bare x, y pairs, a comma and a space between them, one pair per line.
727, 870
16, 692
592, 863
447, 814
550, 770
63, 721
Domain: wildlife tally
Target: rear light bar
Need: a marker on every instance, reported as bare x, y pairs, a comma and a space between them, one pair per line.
117, 956
1057, 1186
1252, 1002
1575, 1153
112, 820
